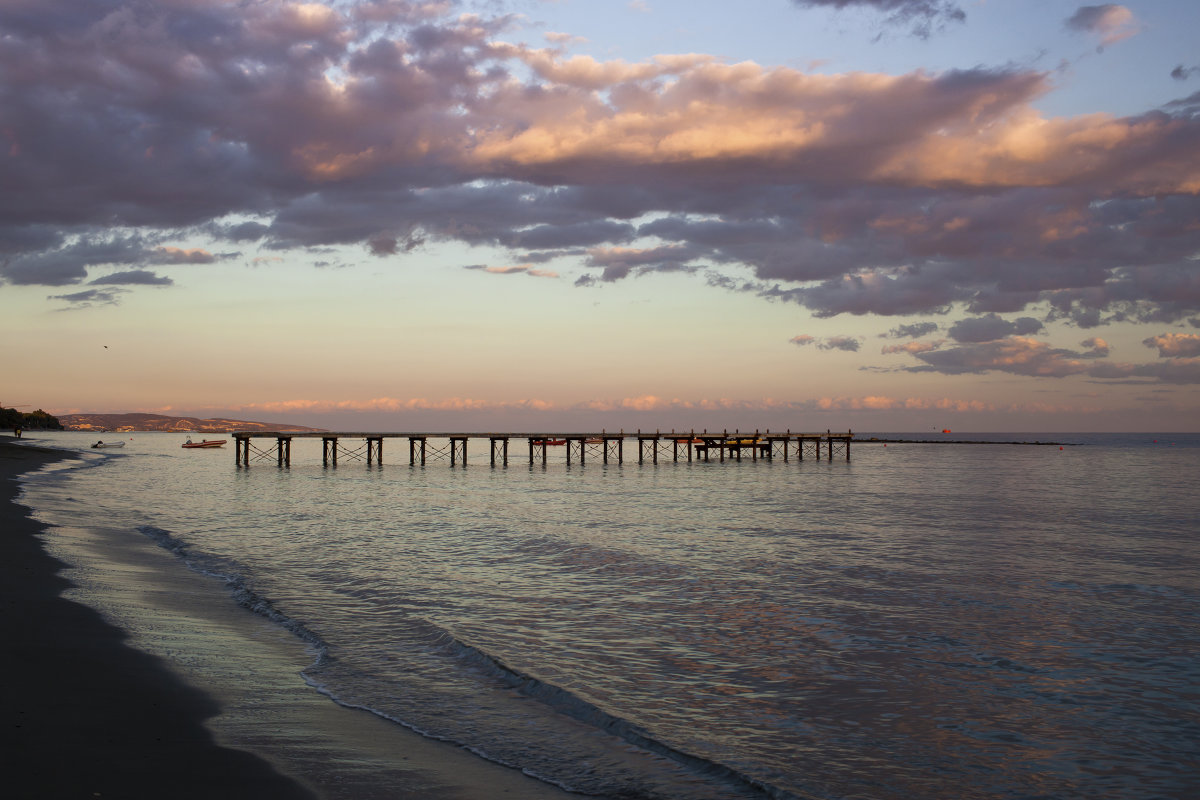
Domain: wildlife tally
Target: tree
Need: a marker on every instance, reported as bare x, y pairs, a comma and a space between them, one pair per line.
10, 418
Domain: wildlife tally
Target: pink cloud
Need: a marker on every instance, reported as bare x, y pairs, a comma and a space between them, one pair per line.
1175, 345
519, 269
913, 348
390, 124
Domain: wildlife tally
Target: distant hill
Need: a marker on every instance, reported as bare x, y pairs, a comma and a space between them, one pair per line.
159, 422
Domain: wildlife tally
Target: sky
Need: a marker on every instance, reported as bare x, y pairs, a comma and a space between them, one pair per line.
558, 215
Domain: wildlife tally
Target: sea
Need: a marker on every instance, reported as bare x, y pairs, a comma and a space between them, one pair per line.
1013, 618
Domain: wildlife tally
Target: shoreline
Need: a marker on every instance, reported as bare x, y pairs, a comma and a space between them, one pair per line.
88, 716
199, 698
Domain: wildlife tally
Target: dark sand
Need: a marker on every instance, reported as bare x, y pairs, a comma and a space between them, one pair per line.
86, 714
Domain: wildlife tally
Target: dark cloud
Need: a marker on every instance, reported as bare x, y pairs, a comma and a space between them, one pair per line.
130, 127
924, 16
914, 331
89, 297
1110, 21
133, 277
1182, 73
1015, 355
69, 262
1023, 356
991, 327
850, 344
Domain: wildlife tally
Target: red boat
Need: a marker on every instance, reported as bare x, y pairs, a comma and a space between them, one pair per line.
548, 442
205, 443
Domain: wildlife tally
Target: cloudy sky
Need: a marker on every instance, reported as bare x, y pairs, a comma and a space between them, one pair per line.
568, 214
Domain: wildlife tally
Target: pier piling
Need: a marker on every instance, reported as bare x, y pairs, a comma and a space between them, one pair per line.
695, 446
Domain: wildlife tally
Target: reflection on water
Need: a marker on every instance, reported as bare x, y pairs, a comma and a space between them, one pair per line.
967, 621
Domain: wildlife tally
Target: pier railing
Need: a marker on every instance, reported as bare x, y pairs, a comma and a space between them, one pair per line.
606, 446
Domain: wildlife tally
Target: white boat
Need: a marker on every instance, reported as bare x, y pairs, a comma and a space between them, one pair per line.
107, 444
205, 443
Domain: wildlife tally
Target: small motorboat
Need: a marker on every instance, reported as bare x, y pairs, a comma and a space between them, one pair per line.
548, 442
103, 443
203, 443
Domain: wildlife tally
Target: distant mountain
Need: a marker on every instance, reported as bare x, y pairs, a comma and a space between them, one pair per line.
158, 422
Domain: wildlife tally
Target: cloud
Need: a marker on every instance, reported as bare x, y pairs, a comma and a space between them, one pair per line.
1175, 345
849, 344
912, 331
129, 127
925, 16
913, 348
516, 269
1109, 21
89, 297
1024, 356
1097, 348
1182, 73
133, 277
991, 327
176, 255
1017, 355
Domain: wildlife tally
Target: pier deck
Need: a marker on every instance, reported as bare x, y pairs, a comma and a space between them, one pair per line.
607, 446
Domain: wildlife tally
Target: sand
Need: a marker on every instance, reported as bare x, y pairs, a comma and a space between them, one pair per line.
210, 706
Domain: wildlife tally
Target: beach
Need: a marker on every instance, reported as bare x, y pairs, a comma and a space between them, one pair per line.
88, 715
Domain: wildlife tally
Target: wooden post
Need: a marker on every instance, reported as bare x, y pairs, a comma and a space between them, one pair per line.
504, 447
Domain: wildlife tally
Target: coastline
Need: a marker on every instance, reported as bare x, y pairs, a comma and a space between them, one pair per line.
92, 711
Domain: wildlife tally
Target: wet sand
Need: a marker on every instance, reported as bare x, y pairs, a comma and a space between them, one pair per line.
209, 704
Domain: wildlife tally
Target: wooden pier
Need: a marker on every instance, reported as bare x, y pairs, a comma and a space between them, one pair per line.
579, 447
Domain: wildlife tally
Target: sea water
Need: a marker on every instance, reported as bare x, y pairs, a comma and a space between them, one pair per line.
922, 621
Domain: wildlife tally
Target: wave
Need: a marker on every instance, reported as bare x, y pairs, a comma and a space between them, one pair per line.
242, 593
443, 643
566, 702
